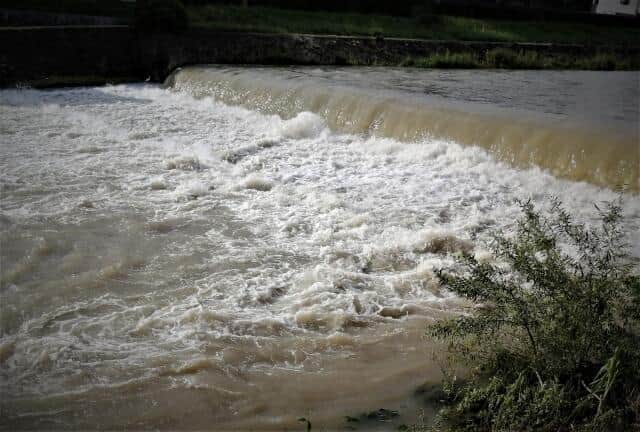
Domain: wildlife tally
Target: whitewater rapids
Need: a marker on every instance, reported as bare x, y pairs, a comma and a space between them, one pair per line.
215, 253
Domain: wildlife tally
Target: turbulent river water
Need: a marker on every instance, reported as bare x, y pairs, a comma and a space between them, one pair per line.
246, 246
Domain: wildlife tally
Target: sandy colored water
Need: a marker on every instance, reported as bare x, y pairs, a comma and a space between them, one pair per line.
174, 262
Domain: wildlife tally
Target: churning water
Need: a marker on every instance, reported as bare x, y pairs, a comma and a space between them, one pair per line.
248, 246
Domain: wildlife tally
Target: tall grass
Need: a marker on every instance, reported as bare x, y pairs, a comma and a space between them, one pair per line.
506, 58
446, 60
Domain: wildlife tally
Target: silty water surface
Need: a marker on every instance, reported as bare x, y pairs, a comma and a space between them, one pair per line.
173, 262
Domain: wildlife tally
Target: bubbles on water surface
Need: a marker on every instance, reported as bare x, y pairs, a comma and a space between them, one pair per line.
227, 243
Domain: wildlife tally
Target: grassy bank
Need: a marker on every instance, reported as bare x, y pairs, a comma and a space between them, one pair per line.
258, 19
504, 58
273, 20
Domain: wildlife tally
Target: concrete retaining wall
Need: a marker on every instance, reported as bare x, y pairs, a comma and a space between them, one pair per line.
42, 56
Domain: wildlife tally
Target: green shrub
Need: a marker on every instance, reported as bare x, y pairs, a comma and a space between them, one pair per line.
161, 16
554, 344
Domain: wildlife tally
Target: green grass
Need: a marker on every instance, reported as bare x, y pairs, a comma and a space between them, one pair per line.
505, 58
272, 20
259, 19
445, 61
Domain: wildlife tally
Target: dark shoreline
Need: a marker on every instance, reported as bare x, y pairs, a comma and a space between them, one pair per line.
44, 57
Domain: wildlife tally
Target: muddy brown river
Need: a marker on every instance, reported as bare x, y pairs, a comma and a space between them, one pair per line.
243, 247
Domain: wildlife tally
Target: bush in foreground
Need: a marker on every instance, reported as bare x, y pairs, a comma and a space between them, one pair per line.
554, 344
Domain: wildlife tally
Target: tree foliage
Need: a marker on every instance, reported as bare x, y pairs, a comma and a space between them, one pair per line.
554, 343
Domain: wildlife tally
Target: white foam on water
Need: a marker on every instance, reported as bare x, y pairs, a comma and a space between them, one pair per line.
257, 182
224, 240
303, 125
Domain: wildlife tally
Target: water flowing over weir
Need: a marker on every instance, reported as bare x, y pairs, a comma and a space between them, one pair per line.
178, 262
576, 149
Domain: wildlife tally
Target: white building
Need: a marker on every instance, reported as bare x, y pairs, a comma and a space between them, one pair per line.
617, 7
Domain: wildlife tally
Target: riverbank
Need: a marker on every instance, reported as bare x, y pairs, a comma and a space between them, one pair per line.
440, 22
418, 26
90, 55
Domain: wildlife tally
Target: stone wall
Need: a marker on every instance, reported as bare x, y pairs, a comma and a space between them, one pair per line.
77, 55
